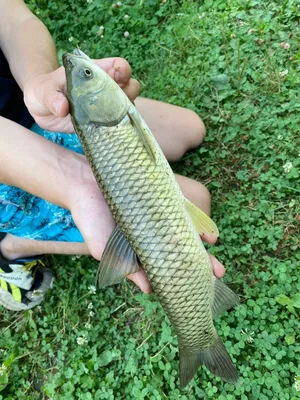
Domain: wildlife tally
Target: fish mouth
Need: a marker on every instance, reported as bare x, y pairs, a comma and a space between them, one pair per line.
67, 61
68, 57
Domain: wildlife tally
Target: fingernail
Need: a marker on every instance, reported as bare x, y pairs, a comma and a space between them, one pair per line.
143, 284
146, 289
117, 73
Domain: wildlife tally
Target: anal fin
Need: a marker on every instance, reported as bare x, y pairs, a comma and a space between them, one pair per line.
224, 298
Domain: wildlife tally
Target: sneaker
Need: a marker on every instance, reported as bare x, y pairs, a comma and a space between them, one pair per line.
23, 283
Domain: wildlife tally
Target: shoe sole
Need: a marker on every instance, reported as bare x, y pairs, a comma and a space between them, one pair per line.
7, 300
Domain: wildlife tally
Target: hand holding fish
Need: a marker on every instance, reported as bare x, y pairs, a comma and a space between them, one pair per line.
45, 94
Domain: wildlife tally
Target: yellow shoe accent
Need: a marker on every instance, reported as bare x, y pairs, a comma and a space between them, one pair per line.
16, 292
3, 284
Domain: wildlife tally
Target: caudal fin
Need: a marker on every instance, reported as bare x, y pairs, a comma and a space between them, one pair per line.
216, 359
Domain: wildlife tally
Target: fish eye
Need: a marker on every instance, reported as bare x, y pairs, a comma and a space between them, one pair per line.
87, 72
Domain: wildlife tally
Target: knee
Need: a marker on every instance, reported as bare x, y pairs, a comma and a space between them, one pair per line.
203, 198
7, 248
97, 252
191, 135
196, 131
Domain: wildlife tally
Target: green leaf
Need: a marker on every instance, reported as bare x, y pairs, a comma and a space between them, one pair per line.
292, 310
3, 381
283, 300
106, 357
9, 360
220, 81
296, 300
286, 301
290, 339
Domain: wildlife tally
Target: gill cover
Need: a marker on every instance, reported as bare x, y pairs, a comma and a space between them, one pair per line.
97, 97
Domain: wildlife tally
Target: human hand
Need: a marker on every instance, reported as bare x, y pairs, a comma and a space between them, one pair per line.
45, 95
95, 222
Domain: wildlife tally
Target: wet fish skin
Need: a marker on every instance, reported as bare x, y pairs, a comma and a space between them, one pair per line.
151, 214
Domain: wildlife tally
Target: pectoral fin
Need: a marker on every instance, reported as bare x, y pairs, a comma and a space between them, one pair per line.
118, 260
143, 132
202, 222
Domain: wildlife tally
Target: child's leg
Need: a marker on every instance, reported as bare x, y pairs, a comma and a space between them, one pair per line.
196, 192
13, 247
176, 129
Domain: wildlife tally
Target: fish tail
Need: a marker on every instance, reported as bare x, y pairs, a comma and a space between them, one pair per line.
215, 358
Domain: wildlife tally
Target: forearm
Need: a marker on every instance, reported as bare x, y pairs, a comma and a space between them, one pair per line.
39, 166
25, 42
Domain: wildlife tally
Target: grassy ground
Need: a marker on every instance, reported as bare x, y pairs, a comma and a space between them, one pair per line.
236, 63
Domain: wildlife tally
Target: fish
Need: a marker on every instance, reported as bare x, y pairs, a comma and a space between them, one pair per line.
156, 226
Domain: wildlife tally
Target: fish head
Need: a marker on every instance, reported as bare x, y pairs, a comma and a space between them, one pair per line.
93, 95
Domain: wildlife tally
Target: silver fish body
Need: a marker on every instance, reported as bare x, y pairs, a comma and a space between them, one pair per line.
154, 225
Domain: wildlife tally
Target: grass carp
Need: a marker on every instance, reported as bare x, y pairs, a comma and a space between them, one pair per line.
156, 225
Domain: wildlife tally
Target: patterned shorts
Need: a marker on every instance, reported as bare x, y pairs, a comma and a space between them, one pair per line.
31, 217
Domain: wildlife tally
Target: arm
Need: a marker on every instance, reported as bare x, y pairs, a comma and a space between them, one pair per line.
35, 164
31, 54
40, 167
19, 30
30, 51
58, 175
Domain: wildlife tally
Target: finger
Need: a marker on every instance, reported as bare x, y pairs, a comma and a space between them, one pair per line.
210, 239
132, 90
218, 268
121, 73
56, 100
58, 104
141, 280
45, 95
122, 76
120, 70
117, 68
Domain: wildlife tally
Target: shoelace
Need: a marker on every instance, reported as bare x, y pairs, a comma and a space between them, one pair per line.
32, 266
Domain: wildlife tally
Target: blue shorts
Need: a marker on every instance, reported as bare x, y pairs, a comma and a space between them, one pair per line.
31, 217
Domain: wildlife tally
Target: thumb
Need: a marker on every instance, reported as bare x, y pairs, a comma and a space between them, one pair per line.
58, 104
44, 95
141, 280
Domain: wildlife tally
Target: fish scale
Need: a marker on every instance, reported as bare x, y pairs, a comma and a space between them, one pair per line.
155, 223
135, 202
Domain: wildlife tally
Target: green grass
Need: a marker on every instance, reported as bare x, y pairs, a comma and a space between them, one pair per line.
228, 62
